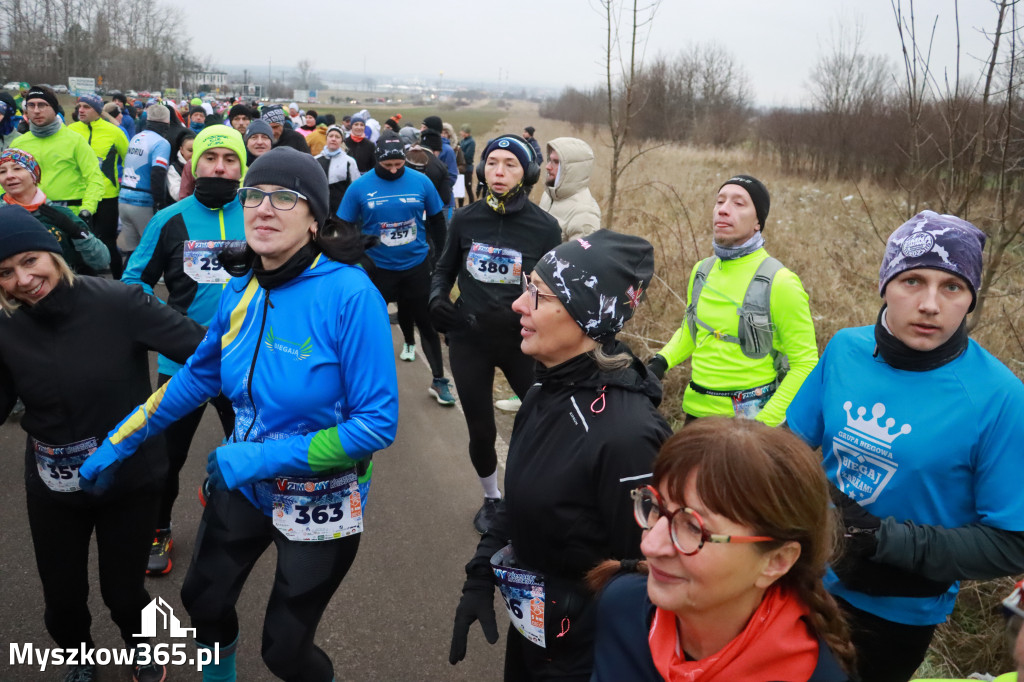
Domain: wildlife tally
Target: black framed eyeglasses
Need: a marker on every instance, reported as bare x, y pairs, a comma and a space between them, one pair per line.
281, 199
535, 294
686, 527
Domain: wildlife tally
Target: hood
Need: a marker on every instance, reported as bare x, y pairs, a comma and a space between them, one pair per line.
576, 159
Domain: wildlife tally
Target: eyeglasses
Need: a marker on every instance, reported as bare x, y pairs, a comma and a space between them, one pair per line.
535, 294
686, 527
281, 199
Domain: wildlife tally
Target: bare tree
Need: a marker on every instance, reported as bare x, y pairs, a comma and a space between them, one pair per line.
623, 96
305, 67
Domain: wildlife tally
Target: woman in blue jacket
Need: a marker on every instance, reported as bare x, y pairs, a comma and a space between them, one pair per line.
301, 345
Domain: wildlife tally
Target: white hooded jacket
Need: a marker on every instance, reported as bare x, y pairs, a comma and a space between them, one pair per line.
570, 200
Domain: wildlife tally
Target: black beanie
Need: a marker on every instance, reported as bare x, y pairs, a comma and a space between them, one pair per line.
758, 194
20, 232
196, 110
389, 148
239, 110
44, 93
294, 170
599, 279
434, 123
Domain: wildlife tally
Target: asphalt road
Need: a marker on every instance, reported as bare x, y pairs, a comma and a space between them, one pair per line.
391, 619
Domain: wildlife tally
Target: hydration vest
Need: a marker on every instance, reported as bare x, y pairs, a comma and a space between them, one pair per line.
755, 330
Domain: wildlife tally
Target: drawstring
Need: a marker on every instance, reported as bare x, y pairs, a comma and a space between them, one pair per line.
598, 399
565, 627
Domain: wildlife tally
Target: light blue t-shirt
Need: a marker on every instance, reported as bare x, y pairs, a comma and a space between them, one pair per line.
943, 447
394, 211
145, 151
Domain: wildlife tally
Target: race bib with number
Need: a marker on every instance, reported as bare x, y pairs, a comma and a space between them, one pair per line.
313, 509
397, 234
202, 262
129, 178
523, 594
494, 264
749, 404
58, 464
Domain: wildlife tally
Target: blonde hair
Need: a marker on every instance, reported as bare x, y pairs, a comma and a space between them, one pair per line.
607, 362
9, 304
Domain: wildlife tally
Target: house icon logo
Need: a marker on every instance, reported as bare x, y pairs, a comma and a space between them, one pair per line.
158, 614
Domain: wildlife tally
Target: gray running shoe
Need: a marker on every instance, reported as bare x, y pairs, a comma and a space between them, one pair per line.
484, 517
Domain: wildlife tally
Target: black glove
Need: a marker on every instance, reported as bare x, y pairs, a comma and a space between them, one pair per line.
658, 366
86, 217
477, 603
860, 542
443, 314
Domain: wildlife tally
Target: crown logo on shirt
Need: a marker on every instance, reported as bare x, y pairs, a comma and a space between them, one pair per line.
873, 427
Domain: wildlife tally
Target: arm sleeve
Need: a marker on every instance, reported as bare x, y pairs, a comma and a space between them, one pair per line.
158, 180
162, 328
624, 462
353, 170
8, 396
794, 337
94, 253
145, 267
582, 222
805, 416
350, 209
449, 162
437, 229
681, 345
447, 267
121, 142
189, 388
95, 187
368, 380
972, 552
496, 537
173, 182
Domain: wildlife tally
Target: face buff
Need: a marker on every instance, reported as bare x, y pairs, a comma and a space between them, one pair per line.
509, 202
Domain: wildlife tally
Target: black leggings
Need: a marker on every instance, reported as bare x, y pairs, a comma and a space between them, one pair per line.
60, 536
473, 357
232, 536
886, 651
410, 289
104, 225
179, 439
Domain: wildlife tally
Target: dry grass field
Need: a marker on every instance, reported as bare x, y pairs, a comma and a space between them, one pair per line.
832, 235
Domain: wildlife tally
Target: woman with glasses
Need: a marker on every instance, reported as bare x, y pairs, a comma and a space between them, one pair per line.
587, 432
920, 430
300, 343
736, 532
490, 244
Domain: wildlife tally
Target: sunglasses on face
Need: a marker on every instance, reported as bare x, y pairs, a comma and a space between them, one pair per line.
686, 527
281, 199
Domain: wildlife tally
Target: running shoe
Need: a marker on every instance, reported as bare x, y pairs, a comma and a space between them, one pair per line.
509, 405
408, 352
149, 673
160, 553
483, 519
81, 673
439, 389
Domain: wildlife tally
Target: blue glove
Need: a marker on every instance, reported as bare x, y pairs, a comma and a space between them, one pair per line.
97, 474
215, 478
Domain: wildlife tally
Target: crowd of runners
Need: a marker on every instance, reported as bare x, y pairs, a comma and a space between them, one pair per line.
280, 236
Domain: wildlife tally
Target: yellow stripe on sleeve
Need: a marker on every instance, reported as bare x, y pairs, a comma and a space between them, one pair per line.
137, 421
238, 314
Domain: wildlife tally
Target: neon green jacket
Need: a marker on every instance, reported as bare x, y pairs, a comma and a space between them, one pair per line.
110, 145
69, 169
722, 366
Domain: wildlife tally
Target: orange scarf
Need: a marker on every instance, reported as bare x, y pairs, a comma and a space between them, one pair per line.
776, 644
38, 200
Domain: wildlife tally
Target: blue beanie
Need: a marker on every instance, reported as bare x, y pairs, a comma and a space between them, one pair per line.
94, 101
514, 144
20, 232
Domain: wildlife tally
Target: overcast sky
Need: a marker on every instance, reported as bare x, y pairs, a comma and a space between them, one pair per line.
559, 42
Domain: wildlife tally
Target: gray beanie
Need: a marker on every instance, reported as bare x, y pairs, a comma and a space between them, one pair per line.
296, 171
600, 279
259, 127
936, 241
158, 113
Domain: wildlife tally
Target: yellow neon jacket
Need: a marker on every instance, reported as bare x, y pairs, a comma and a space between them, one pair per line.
69, 169
110, 145
720, 365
